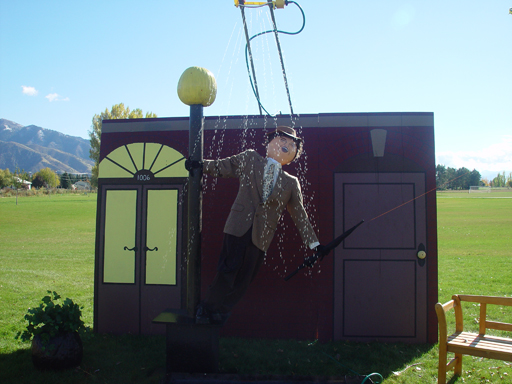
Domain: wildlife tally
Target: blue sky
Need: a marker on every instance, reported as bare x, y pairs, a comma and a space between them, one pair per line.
64, 61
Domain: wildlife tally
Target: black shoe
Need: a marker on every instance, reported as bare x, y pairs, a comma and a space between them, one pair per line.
219, 318
216, 318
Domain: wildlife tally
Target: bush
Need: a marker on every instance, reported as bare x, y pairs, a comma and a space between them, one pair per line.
50, 319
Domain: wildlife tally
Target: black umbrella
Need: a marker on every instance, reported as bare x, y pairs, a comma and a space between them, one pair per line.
311, 260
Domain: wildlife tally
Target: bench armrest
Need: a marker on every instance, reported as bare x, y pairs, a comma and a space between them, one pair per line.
441, 310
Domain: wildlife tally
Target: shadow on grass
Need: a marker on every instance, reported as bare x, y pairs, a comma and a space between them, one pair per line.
291, 357
107, 359
141, 359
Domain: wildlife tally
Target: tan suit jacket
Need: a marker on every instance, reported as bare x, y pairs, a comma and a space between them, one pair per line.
249, 209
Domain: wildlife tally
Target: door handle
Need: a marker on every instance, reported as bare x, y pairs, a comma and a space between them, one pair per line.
422, 252
149, 249
130, 249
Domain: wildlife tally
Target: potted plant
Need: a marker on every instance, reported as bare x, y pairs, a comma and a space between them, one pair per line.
55, 331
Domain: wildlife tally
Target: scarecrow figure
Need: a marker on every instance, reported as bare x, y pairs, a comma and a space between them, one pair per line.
265, 191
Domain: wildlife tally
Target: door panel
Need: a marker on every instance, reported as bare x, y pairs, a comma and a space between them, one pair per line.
371, 312
120, 236
380, 284
119, 309
370, 200
162, 228
117, 298
162, 215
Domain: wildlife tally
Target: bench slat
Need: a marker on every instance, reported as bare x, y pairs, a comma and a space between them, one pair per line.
497, 300
504, 356
499, 326
473, 338
482, 345
451, 364
491, 347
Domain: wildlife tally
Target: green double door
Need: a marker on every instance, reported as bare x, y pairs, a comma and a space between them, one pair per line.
139, 263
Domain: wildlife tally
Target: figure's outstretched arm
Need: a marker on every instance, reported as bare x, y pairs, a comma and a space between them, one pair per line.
227, 167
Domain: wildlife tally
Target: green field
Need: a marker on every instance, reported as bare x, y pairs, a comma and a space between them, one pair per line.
47, 242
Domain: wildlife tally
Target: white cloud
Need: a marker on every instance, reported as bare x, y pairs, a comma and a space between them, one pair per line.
52, 97
492, 159
56, 97
30, 91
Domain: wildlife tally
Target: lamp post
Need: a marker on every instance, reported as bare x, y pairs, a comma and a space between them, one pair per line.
192, 347
197, 88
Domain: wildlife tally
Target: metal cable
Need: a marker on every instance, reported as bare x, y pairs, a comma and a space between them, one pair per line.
249, 56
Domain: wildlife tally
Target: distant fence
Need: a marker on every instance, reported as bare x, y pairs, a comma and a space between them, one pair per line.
482, 192
479, 189
501, 189
9, 192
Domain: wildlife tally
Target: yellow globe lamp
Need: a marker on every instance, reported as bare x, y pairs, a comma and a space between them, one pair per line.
197, 86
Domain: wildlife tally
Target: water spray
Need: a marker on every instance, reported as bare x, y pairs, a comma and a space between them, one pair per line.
279, 4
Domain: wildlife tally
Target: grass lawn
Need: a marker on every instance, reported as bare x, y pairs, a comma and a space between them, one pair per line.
47, 242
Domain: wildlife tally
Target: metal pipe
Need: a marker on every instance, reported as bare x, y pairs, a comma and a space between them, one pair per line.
250, 58
270, 5
194, 206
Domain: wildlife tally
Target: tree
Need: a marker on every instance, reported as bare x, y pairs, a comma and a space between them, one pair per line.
474, 178
451, 178
65, 181
38, 182
17, 179
118, 111
5, 178
441, 176
499, 181
50, 178
466, 178
461, 179
446, 177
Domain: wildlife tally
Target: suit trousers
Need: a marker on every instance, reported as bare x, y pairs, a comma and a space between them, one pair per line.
239, 263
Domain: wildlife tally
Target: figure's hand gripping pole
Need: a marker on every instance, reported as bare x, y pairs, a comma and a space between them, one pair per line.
311, 260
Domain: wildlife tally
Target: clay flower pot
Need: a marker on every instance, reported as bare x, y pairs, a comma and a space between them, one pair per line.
63, 321
63, 351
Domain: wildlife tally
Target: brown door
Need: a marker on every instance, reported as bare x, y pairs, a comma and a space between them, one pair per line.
380, 282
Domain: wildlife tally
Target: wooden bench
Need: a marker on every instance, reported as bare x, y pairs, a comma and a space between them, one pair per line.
466, 343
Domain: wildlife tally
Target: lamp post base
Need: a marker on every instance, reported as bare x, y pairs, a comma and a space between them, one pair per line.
190, 347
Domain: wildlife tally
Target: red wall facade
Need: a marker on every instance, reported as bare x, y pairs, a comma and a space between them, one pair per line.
301, 308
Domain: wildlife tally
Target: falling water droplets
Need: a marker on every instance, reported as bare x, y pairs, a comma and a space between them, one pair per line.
250, 135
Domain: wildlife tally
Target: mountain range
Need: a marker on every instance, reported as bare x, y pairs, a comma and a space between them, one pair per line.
31, 148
